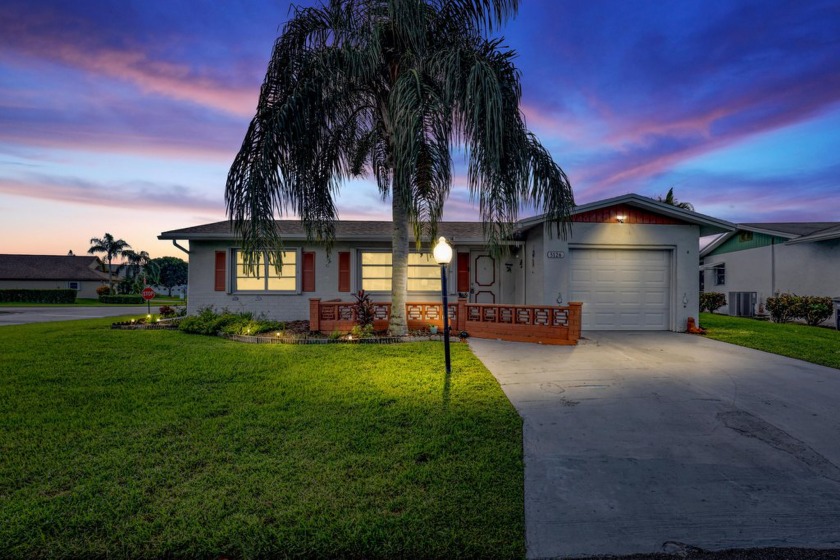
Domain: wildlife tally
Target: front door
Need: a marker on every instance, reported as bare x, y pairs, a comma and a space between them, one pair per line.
484, 279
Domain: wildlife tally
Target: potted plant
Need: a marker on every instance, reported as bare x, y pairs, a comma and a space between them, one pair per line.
432, 328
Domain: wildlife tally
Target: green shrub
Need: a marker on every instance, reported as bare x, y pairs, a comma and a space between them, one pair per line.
815, 309
782, 308
122, 299
359, 331
364, 309
209, 322
710, 301
37, 296
812, 309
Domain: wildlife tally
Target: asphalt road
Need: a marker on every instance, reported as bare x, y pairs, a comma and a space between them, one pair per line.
25, 315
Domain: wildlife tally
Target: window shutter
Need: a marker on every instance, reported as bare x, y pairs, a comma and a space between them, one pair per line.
220, 270
344, 271
463, 272
308, 272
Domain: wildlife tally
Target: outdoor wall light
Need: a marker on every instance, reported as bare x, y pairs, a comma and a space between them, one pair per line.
621, 218
443, 256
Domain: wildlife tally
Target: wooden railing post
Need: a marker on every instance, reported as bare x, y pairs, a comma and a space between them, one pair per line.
574, 320
314, 314
461, 318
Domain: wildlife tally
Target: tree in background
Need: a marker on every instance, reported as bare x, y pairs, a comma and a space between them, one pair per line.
390, 86
111, 248
172, 272
669, 199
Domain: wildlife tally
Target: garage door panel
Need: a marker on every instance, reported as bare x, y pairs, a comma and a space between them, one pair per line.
622, 289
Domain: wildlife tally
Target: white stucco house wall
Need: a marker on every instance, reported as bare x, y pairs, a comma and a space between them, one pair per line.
760, 260
631, 260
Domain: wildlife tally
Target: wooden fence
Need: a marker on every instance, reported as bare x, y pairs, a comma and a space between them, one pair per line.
545, 324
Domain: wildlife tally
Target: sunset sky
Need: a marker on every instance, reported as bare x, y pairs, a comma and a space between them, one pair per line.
124, 116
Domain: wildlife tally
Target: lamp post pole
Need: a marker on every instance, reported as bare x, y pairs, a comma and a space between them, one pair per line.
445, 318
443, 255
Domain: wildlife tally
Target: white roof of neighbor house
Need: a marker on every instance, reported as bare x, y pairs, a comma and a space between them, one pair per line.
794, 232
708, 225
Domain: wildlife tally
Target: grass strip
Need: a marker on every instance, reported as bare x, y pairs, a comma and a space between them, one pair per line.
817, 345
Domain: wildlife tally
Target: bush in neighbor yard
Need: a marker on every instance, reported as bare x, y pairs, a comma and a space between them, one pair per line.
103, 291
811, 309
710, 301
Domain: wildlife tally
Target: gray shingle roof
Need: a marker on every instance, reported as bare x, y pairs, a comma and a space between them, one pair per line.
344, 230
50, 267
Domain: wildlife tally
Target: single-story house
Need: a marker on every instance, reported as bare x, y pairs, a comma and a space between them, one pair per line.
50, 272
760, 260
631, 260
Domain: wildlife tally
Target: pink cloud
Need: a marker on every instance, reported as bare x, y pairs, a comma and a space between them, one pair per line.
137, 195
131, 65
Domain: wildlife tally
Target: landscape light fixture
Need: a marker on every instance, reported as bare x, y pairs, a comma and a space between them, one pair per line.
443, 256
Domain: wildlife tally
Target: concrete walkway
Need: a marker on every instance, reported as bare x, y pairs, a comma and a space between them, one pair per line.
645, 442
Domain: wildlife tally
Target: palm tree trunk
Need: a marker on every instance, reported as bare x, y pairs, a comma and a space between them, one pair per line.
399, 267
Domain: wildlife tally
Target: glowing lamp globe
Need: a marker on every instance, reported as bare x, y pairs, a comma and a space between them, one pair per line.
442, 252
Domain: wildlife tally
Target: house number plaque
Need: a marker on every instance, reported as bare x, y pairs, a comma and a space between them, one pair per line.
555, 254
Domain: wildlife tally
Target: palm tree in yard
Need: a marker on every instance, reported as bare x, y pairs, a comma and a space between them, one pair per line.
387, 87
139, 269
112, 248
669, 199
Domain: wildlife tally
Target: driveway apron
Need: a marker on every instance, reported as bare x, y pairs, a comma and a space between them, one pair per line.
649, 442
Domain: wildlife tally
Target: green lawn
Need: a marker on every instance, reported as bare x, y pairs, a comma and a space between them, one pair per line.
812, 344
150, 444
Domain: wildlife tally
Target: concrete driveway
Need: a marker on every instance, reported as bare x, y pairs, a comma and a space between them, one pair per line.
646, 442
25, 315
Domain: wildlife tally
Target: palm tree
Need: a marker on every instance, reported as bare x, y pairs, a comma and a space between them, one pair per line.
139, 269
388, 86
112, 248
669, 199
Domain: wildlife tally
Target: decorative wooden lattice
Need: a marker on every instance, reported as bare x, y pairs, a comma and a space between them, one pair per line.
539, 323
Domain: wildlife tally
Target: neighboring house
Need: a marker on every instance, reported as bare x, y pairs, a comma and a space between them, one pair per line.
631, 260
757, 261
49, 272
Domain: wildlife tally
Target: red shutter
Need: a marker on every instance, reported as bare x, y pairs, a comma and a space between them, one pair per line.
308, 272
344, 271
463, 272
220, 270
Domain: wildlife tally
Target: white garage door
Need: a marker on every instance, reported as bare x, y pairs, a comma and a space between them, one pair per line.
622, 289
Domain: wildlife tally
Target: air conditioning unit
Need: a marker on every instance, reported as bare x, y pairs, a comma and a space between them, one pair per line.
742, 304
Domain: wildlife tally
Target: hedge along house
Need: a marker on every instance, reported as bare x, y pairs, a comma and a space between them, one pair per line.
632, 261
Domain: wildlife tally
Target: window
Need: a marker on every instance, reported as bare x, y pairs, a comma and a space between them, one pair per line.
423, 272
266, 278
74, 285
720, 274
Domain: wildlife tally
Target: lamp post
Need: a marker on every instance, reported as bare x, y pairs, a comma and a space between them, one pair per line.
443, 256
